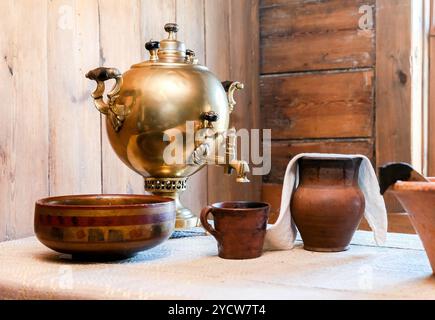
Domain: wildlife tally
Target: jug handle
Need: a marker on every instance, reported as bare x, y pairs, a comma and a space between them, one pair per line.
116, 113
230, 87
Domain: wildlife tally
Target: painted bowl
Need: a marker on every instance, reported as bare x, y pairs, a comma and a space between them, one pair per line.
104, 226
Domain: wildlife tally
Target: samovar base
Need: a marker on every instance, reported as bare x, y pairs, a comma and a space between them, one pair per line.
172, 187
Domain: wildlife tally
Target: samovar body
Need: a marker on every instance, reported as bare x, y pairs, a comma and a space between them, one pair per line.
167, 117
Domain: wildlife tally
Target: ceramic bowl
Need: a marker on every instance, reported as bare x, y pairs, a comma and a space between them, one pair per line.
104, 226
418, 199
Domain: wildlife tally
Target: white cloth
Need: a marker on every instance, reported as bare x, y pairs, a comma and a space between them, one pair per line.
282, 234
189, 268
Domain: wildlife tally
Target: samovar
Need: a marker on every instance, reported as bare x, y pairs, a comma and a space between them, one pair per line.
169, 93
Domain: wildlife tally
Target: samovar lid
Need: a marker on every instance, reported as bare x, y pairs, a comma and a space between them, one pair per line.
169, 49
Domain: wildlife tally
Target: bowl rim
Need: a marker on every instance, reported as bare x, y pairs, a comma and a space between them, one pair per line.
45, 202
415, 185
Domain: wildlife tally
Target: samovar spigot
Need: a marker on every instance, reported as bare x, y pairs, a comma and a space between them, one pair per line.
232, 164
203, 154
242, 169
217, 140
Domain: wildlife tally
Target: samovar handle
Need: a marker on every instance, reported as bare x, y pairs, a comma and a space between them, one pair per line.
230, 87
116, 112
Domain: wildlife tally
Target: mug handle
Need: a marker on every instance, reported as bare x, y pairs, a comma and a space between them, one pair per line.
207, 226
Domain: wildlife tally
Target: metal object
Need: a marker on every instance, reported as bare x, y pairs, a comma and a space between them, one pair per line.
230, 88
157, 96
116, 113
104, 226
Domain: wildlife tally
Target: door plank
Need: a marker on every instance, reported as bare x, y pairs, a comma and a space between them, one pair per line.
75, 150
24, 121
154, 15
244, 52
217, 30
120, 47
190, 18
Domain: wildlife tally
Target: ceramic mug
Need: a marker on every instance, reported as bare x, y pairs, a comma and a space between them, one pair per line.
239, 227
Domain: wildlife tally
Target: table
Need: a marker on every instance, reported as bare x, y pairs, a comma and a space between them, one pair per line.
188, 268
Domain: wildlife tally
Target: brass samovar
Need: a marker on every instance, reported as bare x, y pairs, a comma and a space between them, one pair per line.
170, 92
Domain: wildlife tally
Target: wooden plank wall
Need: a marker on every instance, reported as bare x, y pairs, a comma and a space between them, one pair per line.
317, 80
24, 123
322, 62
51, 137
393, 87
400, 89
237, 61
114, 38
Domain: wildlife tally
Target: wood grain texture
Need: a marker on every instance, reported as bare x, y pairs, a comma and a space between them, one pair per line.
192, 32
190, 18
253, 80
419, 78
316, 35
244, 52
120, 46
321, 105
217, 30
271, 193
393, 86
154, 15
50, 135
283, 151
75, 150
24, 120
397, 222
242, 57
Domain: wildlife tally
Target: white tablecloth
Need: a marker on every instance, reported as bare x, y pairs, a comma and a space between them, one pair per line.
188, 268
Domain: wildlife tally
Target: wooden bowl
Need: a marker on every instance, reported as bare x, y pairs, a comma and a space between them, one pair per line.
104, 226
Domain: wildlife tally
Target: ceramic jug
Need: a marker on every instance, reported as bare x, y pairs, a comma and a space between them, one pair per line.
328, 204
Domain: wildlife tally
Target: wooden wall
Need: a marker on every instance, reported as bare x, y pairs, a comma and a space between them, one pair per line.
317, 79
345, 76
51, 137
399, 87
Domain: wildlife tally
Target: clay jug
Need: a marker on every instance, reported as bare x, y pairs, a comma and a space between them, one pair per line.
328, 205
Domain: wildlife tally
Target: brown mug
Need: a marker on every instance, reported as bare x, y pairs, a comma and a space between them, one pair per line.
239, 227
